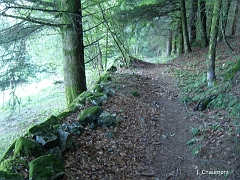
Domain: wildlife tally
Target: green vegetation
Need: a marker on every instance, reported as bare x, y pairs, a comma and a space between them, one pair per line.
192, 82
33, 112
46, 167
135, 93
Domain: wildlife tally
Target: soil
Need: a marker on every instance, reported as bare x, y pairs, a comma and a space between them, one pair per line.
151, 140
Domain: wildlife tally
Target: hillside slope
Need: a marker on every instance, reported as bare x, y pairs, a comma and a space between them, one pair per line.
160, 137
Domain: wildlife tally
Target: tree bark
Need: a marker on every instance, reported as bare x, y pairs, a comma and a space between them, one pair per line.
192, 21
174, 43
169, 43
180, 39
225, 13
73, 49
187, 46
203, 22
211, 77
234, 24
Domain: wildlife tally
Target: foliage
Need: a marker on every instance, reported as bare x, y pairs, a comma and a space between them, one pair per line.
192, 81
232, 71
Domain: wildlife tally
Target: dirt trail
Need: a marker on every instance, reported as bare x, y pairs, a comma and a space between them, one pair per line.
150, 142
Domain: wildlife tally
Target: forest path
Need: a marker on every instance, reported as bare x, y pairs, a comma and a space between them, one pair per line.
150, 141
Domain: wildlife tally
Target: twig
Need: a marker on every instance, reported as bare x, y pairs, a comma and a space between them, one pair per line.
148, 174
186, 106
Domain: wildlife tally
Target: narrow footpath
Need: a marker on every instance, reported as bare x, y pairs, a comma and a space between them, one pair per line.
150, 141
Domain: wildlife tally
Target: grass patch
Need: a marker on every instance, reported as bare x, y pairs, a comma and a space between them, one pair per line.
193, 82
35, 109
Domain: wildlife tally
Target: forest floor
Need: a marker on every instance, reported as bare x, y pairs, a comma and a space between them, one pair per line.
158, 137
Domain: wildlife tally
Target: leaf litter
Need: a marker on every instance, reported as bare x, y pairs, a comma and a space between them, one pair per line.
151, 140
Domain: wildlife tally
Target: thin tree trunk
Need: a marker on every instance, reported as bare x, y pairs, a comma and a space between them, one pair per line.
203, 22
180, 39
73, 49
169, 43
211, 76
174, 43
224, 21
187, 46
234, 24
192, 21
225, 17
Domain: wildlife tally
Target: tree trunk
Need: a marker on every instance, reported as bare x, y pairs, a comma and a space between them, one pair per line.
169, 43
211, 77
192, 21
203, 22
174, 43
224, 18
234, 24
73, 49
187, 47
180, 39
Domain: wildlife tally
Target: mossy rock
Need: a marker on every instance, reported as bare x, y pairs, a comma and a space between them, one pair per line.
112, 69
6, 175
105, 77
65, 140
46, 167
98, 88
47, 139
27, 148
9, 152
105, 88
13, 163
64, 114
44, 127
95, 98
108, 120
87, 116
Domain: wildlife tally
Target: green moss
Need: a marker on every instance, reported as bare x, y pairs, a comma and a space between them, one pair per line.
9, 151
91, 111
64, 114
71, 93
89, 115
44, 126
12, 164
94, 98
27, 148
46, 167
80, 101
5, 175
232, 71
105, 77
98, 88
135, 93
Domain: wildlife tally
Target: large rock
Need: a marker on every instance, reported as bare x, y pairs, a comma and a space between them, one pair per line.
27, 148
46, 167
5, 175
44, 127
44, 133
108, 120
57, 152
95, 98
104, 87
87, 116
64, 140
80, 101
47, 139
12, 164
64, 114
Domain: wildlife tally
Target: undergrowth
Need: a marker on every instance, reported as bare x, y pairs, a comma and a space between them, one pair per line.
193, 82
